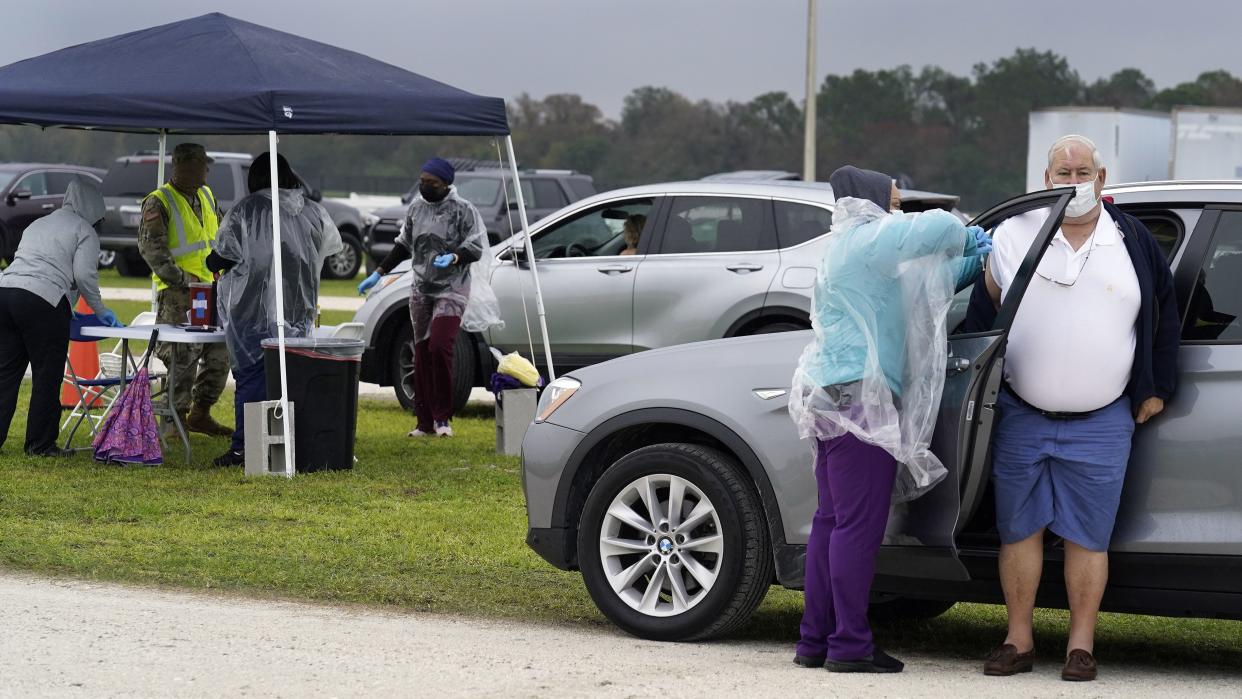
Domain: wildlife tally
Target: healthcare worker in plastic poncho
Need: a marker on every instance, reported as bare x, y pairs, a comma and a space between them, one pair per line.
58, 258
445, 240
867, 390
246, 292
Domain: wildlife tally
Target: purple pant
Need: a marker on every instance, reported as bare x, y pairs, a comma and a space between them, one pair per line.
855, 488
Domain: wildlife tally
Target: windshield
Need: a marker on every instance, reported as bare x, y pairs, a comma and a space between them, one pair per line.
138, 179
480, 191
6, 178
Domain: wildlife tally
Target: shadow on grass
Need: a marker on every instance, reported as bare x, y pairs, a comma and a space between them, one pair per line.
968, 631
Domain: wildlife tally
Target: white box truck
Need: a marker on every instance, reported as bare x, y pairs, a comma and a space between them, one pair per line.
1207, 143
1134, 143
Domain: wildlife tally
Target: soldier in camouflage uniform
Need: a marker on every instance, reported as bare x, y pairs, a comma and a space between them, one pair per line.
179, 221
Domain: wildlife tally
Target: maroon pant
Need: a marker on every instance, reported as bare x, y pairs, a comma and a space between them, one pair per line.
433, 373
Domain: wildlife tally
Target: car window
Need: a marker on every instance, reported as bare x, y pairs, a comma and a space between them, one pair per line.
220, 181
798, 223
58, 182
528, 193
483, 192
548, 194
1166, 228
1216, 303
593, 233
36, 182
130, 179
715, 224
581, 187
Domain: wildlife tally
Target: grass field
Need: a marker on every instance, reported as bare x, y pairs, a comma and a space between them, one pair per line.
327, 287
434, 526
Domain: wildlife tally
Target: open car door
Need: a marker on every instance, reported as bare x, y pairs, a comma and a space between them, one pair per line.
920, 541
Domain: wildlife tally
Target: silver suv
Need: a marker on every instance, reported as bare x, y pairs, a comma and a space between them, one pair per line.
675, 480
714, 260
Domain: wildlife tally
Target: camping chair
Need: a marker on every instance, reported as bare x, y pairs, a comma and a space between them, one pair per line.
95, 394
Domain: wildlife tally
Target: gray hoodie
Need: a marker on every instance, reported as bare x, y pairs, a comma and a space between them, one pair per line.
59, 253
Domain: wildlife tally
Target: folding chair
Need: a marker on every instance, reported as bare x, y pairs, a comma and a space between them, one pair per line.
110, 361
95, 394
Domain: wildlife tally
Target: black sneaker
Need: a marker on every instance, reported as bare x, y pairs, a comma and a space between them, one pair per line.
878, 661
53, 453
230, 458
814, 661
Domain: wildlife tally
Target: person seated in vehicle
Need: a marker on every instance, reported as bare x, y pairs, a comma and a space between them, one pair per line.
632, 230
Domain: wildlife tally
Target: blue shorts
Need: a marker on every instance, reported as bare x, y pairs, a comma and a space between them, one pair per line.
1063, 475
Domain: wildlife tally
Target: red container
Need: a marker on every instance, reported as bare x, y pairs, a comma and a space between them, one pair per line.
202, 299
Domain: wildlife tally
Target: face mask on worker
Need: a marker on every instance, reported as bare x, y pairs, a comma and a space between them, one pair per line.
1084, 200
432, 192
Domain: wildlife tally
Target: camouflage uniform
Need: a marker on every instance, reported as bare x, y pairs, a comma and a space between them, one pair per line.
208, 364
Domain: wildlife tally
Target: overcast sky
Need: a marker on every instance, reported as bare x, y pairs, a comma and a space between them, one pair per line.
714, 49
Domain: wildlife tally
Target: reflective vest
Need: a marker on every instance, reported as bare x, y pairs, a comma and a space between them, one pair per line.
189, 240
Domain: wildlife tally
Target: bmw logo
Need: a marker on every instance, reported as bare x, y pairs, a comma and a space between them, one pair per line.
666, 546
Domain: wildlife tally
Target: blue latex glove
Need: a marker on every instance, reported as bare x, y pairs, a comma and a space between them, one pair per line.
369, 282
443, 261
109, 319
983, 243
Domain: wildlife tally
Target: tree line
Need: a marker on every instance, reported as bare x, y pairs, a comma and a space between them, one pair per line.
944, 132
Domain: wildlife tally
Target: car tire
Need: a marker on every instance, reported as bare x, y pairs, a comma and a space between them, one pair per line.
731, 555
130, 264
346, 263
900, 609
401, 368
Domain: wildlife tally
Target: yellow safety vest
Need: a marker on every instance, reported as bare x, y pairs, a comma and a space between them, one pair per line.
189, 240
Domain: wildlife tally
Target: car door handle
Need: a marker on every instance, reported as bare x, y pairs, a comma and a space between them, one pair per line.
958, 365
744, 268
48, 206
615, 269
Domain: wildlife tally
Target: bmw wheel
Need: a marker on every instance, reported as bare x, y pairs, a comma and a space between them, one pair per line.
673, 544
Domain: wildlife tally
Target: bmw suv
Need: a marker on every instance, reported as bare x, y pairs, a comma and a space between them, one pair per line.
675, 481
714, 260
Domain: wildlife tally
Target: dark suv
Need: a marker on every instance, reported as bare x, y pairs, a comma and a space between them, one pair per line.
545, 191
32, 190
133, 177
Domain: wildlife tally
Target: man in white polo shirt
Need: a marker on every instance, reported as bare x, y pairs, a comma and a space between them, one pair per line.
1091, 353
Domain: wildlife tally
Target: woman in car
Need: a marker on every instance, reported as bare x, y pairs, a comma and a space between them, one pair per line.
867, 389
631, 231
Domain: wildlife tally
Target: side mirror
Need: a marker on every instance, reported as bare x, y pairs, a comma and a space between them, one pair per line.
18, 194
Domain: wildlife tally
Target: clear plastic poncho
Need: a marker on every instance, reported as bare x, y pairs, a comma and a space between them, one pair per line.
246, 297
450, 225
876, 366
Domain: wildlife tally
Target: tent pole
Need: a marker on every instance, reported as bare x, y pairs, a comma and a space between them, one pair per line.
159, 177
530, 255
280, 306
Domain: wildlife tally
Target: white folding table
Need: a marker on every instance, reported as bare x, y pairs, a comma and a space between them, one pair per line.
167, 333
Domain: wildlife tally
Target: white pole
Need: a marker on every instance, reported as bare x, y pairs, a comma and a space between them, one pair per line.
808, 130
530, 257
280, 305
159, 182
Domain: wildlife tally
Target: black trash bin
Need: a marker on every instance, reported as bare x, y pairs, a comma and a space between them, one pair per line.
323, 386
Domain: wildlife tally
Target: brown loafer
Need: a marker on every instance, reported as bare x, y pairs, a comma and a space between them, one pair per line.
1079, 667
1006, 661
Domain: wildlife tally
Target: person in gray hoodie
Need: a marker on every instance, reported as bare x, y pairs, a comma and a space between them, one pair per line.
57, 258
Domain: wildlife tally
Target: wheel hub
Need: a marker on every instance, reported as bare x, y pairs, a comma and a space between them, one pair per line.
665, 545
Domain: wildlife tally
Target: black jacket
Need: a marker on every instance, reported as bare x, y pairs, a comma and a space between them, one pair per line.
1158, 328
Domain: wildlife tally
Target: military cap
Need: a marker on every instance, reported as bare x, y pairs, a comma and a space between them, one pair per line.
185, 152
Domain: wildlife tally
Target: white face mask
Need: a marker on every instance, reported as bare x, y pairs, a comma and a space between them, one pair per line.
1084, 200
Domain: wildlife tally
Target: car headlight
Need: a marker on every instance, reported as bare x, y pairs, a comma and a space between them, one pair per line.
555, 395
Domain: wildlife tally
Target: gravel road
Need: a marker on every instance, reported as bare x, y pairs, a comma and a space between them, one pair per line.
67, 638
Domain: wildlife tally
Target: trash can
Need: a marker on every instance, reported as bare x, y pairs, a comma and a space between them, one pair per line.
323, 387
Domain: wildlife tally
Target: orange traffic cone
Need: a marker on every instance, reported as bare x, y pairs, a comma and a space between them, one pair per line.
84, 356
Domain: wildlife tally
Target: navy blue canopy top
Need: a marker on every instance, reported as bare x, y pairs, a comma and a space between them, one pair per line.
217, 75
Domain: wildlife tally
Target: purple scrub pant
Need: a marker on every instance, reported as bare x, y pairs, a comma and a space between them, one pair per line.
855, 489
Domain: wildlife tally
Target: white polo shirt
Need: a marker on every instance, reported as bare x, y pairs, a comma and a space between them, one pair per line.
1071, 348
